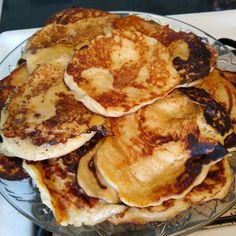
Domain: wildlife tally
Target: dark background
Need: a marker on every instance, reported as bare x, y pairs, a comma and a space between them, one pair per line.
21, 14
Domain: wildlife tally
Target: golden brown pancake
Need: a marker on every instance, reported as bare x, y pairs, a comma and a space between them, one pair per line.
43, 120
224, 92
92, 181
55, 54
11, 167
71, 15
230, 76
191, 57
109, 76
215, 186
70, 28
140, 216
8, 84
59, 190
75, 33
169, 136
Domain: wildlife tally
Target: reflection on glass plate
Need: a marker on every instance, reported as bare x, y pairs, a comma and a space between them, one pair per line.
24, 195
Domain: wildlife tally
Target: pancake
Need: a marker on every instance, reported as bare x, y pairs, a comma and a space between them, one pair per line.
92, 181
70, 28
110, 74
224, 92
230, 76
9, 83
169, 136
7, 86
11, 168
59, 190
140, 216
71, 15
43, 120
59, 53
73, 34
215, 186
192, 58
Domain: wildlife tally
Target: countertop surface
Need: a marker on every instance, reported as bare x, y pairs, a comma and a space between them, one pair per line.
218, 24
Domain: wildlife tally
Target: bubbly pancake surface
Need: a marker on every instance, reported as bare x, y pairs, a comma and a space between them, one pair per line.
169, 136
191, 57
110, 75
59, 190
43, 120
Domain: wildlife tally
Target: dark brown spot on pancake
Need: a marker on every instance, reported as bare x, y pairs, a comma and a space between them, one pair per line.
200, 58
89, 145
230, 141
11, 168
21, 61
214, 113
197, 66
197, 147
194, 165
93, 170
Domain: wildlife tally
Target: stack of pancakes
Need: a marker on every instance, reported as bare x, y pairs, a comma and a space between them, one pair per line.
118, 118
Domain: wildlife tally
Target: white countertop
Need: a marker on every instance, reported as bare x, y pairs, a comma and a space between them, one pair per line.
218, 24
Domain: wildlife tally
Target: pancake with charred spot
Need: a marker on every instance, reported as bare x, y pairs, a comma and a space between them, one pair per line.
43, 120
219, 86
11, 167
192, 58
59, 190
169, 136
230, 141
214, 113
215, 186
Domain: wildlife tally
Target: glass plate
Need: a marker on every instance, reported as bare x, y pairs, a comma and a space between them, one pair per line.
24, 195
